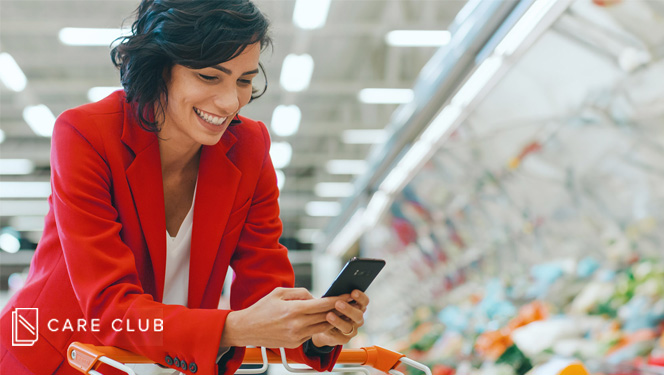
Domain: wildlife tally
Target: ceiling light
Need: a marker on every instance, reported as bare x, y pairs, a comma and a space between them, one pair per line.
24, 207
341, 166
334, 189
96, 94
80, 36
11, 74
16, 166
2, 136
16, 189
418, 38
40, 119
281, 153
281, 179
296, 72
309, 235
310, 14
364, 136
385, 96
320, 208
27, 223
286, 120
9, 241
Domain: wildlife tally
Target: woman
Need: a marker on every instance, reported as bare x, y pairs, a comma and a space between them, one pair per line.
156, 190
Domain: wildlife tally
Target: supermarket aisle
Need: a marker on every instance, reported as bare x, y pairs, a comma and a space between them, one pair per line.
524, 222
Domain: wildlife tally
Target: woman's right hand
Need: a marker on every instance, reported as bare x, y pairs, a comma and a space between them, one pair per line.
285, 318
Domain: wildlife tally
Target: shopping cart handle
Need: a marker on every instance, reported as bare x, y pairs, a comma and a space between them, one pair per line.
374, 356
86, 357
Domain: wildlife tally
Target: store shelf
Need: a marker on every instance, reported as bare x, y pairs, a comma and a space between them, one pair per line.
549, 194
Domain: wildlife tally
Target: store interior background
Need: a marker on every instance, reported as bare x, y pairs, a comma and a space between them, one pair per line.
511, 175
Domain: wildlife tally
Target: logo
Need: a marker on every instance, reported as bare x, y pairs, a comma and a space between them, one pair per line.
25, 329
25, 325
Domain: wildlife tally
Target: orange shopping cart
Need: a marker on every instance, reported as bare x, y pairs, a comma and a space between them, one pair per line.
88, 358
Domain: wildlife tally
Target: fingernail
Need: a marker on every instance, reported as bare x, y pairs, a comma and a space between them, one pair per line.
341, 306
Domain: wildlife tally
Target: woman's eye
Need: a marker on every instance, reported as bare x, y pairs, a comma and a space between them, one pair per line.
244, 82
207, 78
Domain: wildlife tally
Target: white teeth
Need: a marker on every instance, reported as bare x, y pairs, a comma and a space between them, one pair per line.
214, 120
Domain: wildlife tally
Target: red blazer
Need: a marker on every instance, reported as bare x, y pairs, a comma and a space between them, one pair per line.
103, 250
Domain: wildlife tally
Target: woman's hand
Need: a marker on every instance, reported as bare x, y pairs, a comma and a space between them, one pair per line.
345, 321
285, 318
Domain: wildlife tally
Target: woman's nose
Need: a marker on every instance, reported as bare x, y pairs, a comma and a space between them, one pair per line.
227, 102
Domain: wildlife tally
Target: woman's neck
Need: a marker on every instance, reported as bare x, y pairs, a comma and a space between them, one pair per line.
177, 159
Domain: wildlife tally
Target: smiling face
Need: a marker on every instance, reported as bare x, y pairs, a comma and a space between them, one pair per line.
202, 102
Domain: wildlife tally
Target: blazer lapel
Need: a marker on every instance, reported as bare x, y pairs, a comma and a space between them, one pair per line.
145, 181
218, 180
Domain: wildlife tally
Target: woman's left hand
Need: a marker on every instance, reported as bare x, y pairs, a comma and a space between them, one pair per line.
347, 318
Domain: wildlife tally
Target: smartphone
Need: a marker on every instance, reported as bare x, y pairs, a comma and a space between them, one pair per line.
358, 273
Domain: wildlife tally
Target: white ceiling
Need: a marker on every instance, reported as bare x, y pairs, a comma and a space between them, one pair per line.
349, 52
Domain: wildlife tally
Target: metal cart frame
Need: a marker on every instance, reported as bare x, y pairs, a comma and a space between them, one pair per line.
87, 358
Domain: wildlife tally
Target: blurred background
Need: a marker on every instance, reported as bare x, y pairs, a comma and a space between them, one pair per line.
324, 55
505, 158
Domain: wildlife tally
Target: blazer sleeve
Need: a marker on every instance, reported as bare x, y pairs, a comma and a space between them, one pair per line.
261, 263
101, 267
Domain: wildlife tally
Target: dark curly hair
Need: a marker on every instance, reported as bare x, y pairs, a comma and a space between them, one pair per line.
193, 33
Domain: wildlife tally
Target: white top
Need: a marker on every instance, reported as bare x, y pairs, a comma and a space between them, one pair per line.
176, 285
178, 251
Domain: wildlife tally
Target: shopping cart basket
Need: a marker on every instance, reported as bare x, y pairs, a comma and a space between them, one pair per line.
88, 358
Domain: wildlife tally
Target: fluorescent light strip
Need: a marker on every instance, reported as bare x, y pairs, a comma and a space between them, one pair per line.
11, 74
16, 166
348, 235
310, 14
411, 161
364, 136
23, 207
281, 154
418, 38
296, 72
322, 208
345, 166
15, 189
476, 83
80, 36
441, 124
98, 93
309, 235
522, 30
281, 179
334, 189
40, 119
377, 206
385, 96
27, 223
286, 120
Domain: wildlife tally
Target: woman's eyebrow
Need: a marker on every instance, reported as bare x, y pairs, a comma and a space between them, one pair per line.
229, 72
